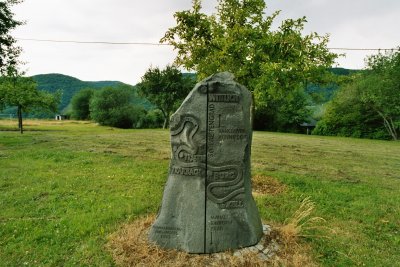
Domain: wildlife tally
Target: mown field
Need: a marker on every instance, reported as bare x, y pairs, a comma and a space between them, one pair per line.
66, 186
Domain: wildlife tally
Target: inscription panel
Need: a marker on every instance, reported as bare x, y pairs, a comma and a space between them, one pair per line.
232, 134
225, 181
166, 232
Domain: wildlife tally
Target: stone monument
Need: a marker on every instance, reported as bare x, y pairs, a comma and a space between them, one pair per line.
207, 204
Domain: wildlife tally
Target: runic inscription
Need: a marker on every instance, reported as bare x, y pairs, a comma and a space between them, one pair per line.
207, 204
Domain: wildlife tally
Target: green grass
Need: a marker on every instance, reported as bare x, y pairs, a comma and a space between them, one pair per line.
65, 186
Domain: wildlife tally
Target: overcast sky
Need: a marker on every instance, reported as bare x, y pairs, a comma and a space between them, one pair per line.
350, 23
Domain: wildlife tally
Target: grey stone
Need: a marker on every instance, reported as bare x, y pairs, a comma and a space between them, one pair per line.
237, 253
274, 246
244, 250
271, 254
259, 247
207, 204
266, 228
219, 256
263, 257
253, 249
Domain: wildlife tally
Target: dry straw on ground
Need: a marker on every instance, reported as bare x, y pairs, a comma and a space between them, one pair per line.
129, 246
295, 252
301, 222
263, 184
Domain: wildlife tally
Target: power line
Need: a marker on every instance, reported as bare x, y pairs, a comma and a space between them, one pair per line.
364, 49
89, 42
161, 44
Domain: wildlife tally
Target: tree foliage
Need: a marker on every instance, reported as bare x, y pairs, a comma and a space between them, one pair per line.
80, 104
112, 106
165, 88
345, 115
381, 90
369, 106
22, 93
240, 39
284, 114
151, 119
9, 51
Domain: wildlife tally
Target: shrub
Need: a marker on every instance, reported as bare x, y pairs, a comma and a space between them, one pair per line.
112, 106
152, 119
80, 104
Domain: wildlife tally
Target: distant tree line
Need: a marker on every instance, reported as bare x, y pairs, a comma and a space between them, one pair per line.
115, 106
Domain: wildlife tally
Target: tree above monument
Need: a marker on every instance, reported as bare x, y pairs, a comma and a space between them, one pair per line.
239, 38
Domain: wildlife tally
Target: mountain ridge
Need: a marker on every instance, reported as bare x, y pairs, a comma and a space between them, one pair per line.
69, 85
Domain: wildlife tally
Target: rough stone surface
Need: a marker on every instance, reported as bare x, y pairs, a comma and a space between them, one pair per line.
263, 249
207, 204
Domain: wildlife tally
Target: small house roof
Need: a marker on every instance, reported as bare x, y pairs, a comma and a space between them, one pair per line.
311, 123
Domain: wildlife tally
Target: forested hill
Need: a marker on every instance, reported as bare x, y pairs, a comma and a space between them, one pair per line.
343, 71
71, 85
68, 85
324, 93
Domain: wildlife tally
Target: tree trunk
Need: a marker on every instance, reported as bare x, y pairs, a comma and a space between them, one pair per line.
165, 123
252, 110
390, 127
166, 118
20, 126
18, 111
395, 136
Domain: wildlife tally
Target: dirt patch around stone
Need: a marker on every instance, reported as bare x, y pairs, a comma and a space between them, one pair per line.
129, 246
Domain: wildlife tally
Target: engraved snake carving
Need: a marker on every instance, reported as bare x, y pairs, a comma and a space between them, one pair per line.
177, 127
236, 185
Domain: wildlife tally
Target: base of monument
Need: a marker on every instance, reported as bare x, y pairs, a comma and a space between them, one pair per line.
130, 247
265, 249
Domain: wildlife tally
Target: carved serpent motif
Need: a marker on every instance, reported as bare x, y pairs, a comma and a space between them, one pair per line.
236, 185
178, 127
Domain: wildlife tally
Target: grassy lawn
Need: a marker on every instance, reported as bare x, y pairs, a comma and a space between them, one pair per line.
66, 186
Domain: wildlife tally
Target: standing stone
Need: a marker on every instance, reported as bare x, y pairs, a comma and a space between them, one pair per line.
207, 204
